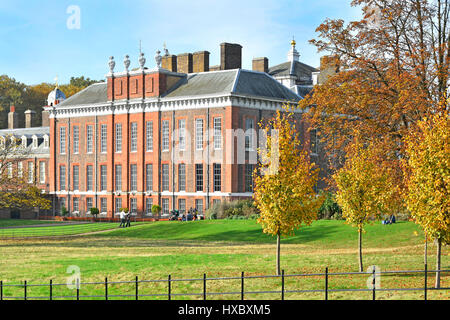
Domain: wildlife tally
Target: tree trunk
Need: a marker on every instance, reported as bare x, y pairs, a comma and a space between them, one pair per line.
426, 250
360, 250
278, 254
438, 264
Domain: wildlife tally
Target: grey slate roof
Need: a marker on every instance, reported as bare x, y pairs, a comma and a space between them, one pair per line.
38, 131
237, 81
95, 93
28, 133
301, 70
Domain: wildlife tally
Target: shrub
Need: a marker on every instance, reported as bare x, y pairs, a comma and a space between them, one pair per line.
232, 210
94, 211
64, 211
156, 209
329, 209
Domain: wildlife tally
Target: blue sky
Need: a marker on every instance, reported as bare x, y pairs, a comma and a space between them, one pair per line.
36, 44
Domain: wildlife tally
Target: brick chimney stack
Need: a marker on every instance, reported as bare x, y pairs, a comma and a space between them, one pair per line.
200, 61
30, 119
13, 118
329, 66
45, 118
230, 56
260, 64
169, 62
184, 63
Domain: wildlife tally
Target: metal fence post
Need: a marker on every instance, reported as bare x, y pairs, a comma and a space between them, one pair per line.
169, 286
78, 289
326, 283
282, 284
51, 289
106, 288
373, 284
1, 290
136, 282
204, 286
426, 280
242, 285
25, 290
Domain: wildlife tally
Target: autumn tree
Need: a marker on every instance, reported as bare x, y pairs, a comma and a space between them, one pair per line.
15, 191
284, 188
365, 189
428, 180
393, 70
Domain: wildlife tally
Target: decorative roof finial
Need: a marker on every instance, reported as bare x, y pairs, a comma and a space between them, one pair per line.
293, 54
111, 64
126, 62
142, 60
158, 59
166, 52
56, 81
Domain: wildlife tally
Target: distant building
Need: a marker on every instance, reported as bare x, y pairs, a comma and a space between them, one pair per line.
181, 134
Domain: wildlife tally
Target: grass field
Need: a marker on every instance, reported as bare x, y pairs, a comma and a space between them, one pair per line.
4, 223
58, 230
222, 248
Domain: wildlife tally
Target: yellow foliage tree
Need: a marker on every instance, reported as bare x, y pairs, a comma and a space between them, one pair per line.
365, 189
428, 180
284, 188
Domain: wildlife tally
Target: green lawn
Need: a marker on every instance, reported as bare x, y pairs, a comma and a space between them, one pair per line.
329, 233
222, 248
59, 230
23, 222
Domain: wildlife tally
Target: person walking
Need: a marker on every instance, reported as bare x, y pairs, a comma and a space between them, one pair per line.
128, 219
122, 219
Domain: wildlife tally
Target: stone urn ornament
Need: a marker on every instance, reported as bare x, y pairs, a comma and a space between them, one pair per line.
158, 59
126, 62
142, 61
111, 64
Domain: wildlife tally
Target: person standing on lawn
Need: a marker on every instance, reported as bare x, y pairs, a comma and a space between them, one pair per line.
122, 218
128, 218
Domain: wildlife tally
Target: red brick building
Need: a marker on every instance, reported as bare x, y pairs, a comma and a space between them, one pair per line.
177, 135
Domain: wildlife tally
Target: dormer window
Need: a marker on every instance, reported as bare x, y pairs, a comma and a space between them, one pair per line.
46, 141
24, 141
35, 142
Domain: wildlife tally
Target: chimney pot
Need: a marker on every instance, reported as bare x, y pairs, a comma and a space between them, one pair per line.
13, 118
30, 119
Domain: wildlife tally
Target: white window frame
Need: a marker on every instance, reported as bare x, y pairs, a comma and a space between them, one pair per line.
217, 133
89, 139
76, 139
62, 140
118, 136
182, 134
133, 137
149, 136
199, 134
103, 138
165, 136
42, 172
